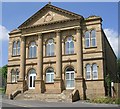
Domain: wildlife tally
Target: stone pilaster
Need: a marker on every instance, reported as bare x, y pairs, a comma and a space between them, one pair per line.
79, 75
58, 79
39, 79
21, 80
79, 53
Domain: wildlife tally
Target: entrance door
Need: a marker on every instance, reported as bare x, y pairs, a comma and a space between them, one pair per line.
32, 77
70, 78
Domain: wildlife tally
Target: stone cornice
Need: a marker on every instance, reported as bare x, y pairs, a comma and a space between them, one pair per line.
48, 31
49, 23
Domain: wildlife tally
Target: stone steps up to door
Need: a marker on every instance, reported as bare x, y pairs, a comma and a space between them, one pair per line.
65, 96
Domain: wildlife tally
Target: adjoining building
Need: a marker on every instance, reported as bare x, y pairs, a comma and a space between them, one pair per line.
56, 50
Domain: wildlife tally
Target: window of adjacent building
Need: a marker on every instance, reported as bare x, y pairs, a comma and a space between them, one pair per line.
32, 50
14, 75
50, 48
69, 46
14, 49
94, 71
18, 48
50, 75
90, 39
88, 71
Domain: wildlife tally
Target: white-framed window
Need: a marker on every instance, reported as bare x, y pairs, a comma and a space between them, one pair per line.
14, 53
87, 39
50, 48
69, 45
93, 38
94, 71
88, 71
32, 50
90, 39
18, 47
49, 75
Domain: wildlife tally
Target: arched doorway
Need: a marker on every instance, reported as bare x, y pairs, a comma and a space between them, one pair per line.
69, 78
32, 77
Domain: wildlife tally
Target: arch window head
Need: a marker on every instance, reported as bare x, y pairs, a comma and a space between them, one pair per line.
87, 39
94, 71
14, 49
32, 50
88, 71
69, 45
93, 38
50, 48
18, 48
49, 75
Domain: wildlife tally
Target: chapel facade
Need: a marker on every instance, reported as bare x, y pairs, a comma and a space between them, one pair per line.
56, 50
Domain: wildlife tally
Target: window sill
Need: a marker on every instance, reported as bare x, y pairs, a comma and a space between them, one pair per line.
49, 83
13, 83
94, 79
32, 58
69, 54
16, 56
90, 47
48, 56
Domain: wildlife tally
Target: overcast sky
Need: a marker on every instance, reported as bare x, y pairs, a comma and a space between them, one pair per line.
15, 13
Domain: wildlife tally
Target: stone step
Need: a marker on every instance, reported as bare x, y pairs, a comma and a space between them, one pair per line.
65, 96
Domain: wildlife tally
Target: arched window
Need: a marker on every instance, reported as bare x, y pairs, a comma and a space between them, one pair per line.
49, 75
93, 38
94, 71
14, 49
18, 48
87, 39
69, 46
32, 50
50, 48
88, 71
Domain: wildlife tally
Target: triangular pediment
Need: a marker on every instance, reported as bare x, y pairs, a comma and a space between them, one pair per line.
47, 14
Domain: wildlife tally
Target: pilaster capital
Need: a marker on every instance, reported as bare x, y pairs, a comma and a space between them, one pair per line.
78, 29
39, 35
23, 38
57, 32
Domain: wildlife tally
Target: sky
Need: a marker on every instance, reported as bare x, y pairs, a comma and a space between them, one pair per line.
15, 13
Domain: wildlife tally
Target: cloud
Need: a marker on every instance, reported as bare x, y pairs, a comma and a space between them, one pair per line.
112, 37
3, 33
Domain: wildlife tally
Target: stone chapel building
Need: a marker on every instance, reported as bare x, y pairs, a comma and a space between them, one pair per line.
56, 50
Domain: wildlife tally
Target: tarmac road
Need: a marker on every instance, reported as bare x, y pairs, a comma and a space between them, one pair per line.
35, 104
